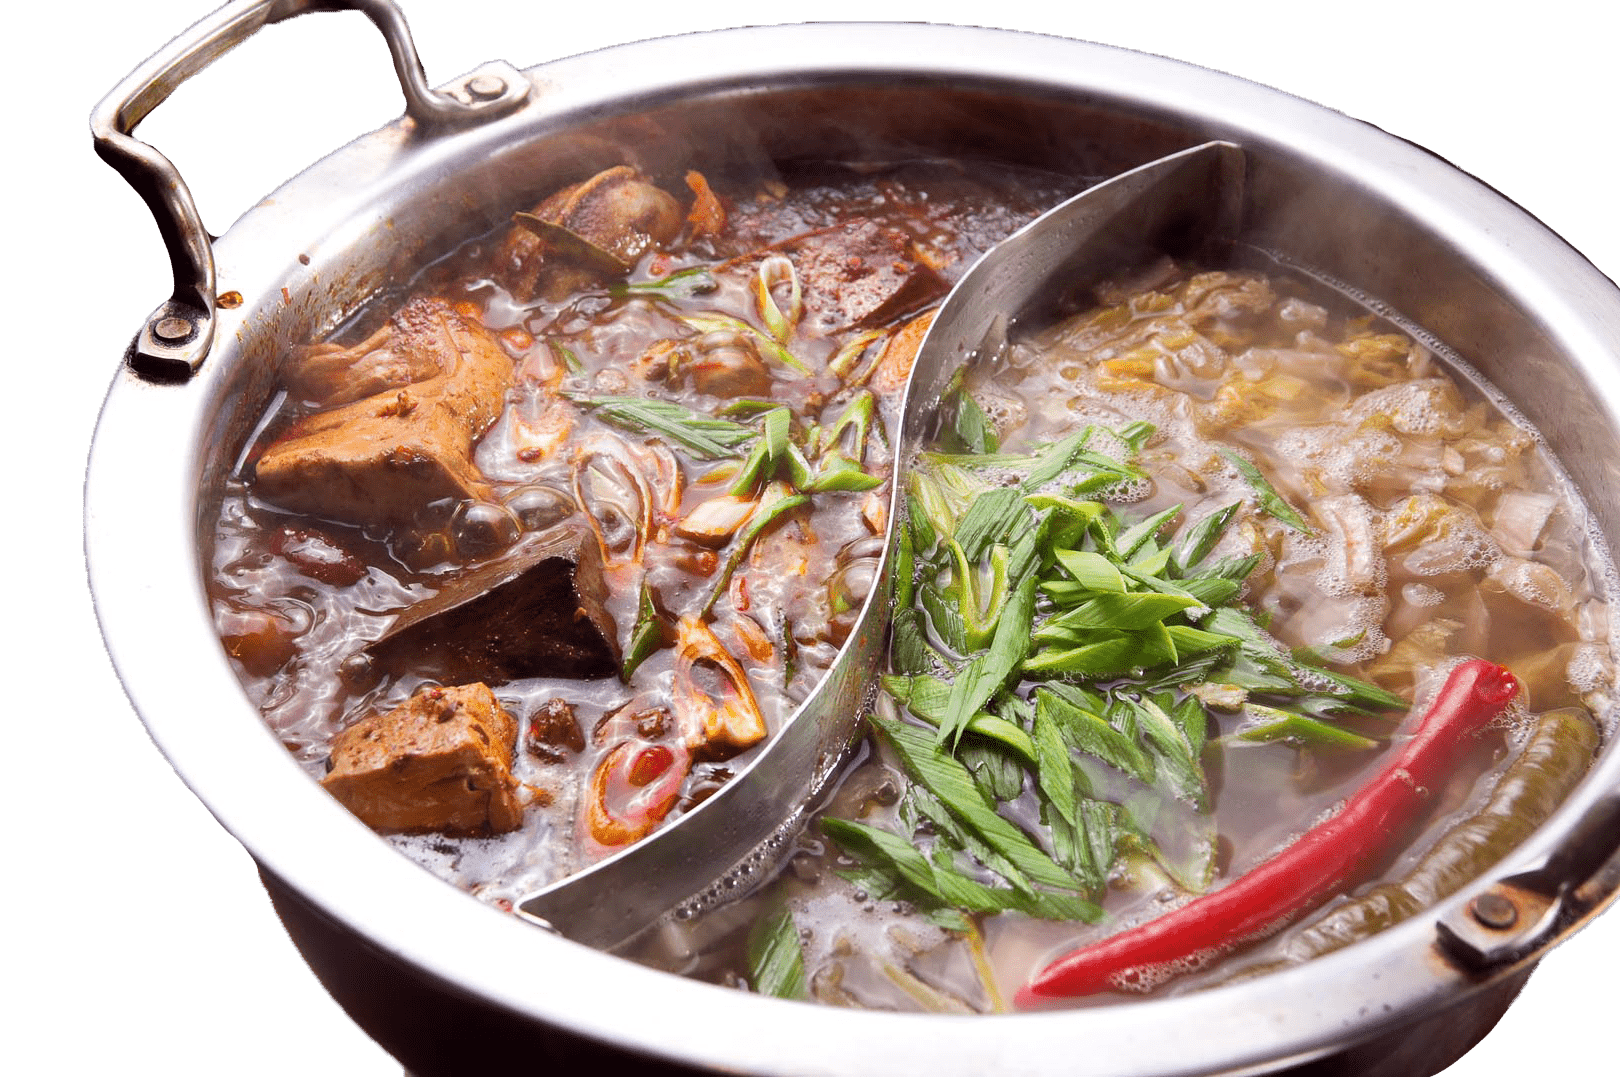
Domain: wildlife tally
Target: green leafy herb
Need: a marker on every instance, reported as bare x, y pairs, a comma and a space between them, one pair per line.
746, 407
1134, 539
1091, 571
972, 427
1126, 629
927, 697
1271, 502
1276, 725
645, 637
775, 961
839, 472
979, 601
1199, 539
948, 887
1136, 435
768, 346
776, 502
989, 520
682, 284
859, 419
950, 781
571, 361
775, 271
703, 436
1085, 730
847, 356
984, 675
909, 650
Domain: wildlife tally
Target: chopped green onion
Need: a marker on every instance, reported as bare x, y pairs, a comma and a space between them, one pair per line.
775, 961
768, 345
1271, 502
702, 435
682, 284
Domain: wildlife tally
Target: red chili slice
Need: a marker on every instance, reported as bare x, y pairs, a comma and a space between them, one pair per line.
631, 791
1315, 866
649, 764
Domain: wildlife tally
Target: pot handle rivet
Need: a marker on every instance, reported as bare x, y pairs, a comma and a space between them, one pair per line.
486, 87
1495, 911
162, 350
172, 330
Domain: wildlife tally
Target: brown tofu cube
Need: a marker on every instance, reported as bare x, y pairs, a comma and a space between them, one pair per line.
440, 761
380, 459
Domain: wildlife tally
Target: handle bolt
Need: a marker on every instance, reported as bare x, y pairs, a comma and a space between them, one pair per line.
1495, 911
173, 330
486, 87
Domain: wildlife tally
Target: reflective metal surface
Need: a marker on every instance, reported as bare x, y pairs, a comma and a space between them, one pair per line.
1192, 197
178, 335
1380, 215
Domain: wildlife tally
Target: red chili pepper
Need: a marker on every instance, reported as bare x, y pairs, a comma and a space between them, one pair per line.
631, 791
649, 764
1316, 865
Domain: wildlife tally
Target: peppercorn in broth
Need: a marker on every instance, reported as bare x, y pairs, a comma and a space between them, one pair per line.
527, 564
1186, 577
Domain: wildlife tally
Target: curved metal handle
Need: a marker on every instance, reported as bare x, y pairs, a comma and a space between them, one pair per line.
176, 337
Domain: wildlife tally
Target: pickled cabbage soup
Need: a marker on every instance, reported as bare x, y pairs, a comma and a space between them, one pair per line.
1194, 588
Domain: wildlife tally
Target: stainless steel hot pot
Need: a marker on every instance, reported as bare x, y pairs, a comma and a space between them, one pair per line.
448, 984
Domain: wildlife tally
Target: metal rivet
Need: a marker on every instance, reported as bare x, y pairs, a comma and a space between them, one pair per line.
172, 330
486, 87
1495, 911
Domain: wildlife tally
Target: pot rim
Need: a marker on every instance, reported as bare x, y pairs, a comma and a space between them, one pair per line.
219, 744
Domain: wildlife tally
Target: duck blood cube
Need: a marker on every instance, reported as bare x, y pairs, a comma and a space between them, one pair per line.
537, 611
440, 761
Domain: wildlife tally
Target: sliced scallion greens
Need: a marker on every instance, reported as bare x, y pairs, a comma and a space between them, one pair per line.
1052, 652
704, 436
1271, 502
681, 284
775, 962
